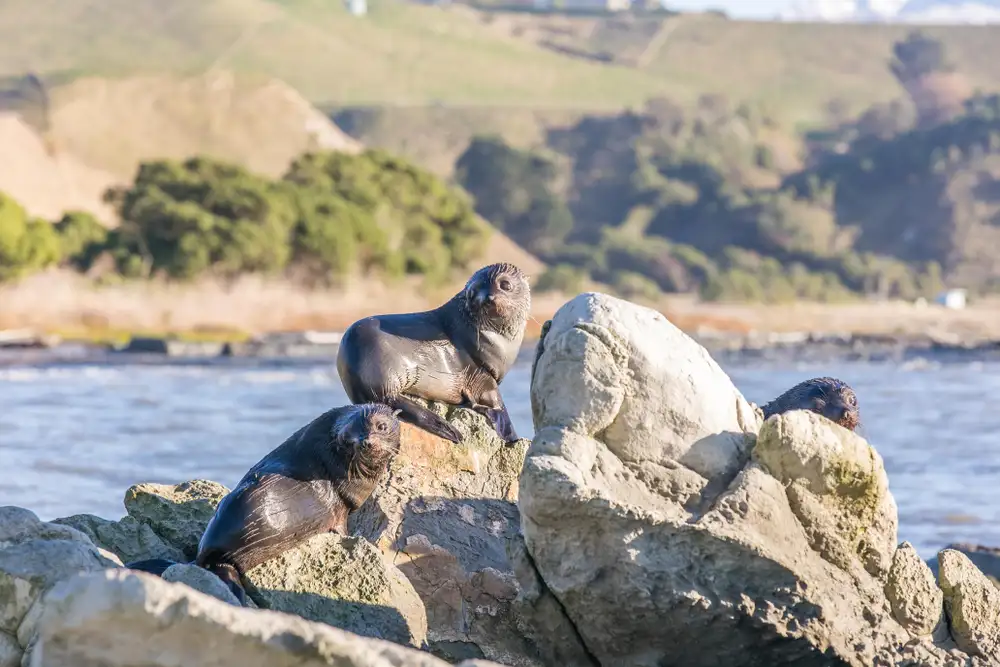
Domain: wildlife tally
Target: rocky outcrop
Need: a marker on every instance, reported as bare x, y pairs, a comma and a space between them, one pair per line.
664, 524
123, 618
972, 603
344, 582
178, 513
445, 515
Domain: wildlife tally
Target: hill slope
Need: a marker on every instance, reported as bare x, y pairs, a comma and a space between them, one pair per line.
402, 53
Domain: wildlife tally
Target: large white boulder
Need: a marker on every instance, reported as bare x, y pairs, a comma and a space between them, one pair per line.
665, 531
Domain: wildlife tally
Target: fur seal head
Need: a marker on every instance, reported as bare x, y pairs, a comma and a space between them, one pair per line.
370, 434
826, 396
498, 297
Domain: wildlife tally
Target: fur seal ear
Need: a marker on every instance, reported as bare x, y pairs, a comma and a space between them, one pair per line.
396, 413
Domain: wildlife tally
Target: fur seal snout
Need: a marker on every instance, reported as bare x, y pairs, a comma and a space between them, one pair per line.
457, 353
826, 396
307, 485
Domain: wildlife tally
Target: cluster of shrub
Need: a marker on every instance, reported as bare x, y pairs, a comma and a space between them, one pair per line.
330, 216
681, 200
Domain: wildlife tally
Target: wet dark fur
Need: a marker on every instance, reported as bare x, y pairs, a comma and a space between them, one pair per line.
306, 486
457, 353
829, 397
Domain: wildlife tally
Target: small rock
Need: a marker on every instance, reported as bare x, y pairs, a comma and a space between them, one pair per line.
123, 618
179, 513
201, 580
972, 603
128, 539
343, 582
917, 602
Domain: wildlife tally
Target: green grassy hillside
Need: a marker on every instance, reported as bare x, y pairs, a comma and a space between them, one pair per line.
408, 54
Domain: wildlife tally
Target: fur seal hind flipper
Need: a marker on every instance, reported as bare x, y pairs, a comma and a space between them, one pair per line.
423, 418
501, 421
155, 566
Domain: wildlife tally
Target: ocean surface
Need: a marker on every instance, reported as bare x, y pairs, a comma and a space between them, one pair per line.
74, 437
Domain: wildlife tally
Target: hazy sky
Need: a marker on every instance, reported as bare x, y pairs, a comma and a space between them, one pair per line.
735, 8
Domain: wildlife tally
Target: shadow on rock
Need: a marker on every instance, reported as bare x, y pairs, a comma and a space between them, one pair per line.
367, 620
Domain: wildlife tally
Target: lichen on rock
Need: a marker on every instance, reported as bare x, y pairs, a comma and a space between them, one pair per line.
836, 485
179, 513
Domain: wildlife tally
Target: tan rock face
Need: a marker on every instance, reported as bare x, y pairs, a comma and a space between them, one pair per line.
660, 529
445, 516
972, 603
343, 582
123, 618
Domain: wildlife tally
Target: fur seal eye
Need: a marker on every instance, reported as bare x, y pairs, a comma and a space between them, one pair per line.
381, 427
505, 285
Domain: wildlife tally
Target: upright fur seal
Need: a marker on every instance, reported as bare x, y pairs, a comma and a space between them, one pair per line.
306, 486
457, 353
826, 396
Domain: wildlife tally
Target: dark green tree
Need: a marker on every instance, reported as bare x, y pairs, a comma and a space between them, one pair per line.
200, 215
513, 189
26, 244
83, 238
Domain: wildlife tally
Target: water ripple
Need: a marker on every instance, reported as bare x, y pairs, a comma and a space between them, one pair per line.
73, 438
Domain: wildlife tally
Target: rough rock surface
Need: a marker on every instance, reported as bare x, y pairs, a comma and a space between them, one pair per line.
201, 580
128, 539
972, 603
34, 556
123, 618
987, 559
10, 651
837, 488
178, 513
658, 536
916, 600
344, 582
445, 515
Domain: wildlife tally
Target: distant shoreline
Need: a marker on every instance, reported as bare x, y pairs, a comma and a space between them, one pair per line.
70, 308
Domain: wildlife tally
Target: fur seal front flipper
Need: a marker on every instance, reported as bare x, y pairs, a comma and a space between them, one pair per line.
306, 486
457, 353
421, 417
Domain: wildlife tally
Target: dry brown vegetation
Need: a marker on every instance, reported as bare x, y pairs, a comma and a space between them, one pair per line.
64, 302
